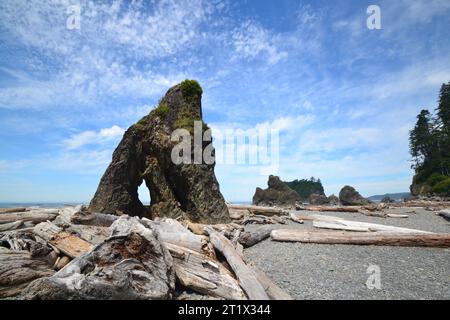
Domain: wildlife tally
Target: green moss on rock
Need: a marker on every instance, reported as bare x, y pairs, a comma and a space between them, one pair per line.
190, 89
162, 110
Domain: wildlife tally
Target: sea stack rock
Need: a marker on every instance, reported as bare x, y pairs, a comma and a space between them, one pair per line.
348, 196
318, 199
277, 194
144, 155
333, 200
387, 199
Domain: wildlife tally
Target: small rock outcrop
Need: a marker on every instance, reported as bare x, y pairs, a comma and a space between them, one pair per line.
318, 199
144, 155
333, 200
387, 199
277, 194
348, 196
132, 263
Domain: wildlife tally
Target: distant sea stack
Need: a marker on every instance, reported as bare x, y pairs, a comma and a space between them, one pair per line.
348, 196
306, 187
144, 155
277, 194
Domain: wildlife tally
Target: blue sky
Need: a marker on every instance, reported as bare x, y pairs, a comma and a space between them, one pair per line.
343, 96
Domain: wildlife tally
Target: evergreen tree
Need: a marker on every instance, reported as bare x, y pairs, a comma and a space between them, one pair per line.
443, 128
429, 144
421, 139
443, 109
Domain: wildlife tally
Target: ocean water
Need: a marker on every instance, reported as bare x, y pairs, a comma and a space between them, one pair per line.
38, 204
63, 204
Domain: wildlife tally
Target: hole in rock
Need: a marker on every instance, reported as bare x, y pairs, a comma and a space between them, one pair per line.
144, 194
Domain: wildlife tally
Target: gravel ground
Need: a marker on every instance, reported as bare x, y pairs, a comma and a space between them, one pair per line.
321, 271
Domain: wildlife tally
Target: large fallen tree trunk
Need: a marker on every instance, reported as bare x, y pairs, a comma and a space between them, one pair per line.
131, 264
203, 274
245, 275
362, 238
18, 269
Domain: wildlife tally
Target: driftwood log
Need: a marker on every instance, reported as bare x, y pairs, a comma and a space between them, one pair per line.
265, 211
12, 210
11, 226
34, 216
445, 214
67, 243
341, 224
131, 264
246, 276
273, 291
18, 269
249, 238
362, 238
202, 274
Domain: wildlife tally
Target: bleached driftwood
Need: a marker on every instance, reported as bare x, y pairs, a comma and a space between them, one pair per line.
246, 276
362, 238
273, 291
173, 232
372, 213
12, 210
395, 215
203, 274
11, 226
313, 217
330, 208
92, 234
69, 244
34, 216
445, 214
132, 264
237, 214
265, 211
249, 238
342, 224
93, 219
18, 269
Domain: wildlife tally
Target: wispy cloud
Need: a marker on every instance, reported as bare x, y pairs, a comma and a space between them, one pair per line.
94, 137
251, 41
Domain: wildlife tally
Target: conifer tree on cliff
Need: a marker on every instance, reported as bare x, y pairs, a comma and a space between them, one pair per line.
443, 128
421, 140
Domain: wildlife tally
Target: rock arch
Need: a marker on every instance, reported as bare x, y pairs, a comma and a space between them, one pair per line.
144, 156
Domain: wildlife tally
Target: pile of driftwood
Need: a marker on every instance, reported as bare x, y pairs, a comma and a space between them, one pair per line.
374, 210
70, 254
428, 204
335, 230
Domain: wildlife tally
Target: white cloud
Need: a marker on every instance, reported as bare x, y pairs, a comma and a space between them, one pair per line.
94, 137
251, 40
110, 57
